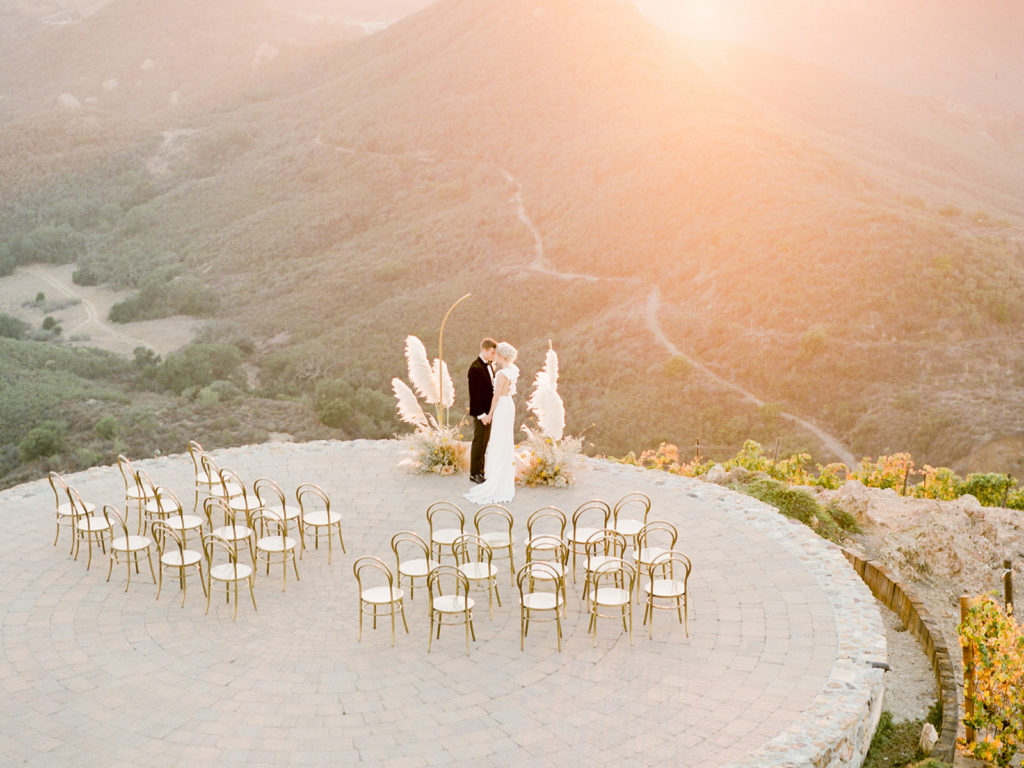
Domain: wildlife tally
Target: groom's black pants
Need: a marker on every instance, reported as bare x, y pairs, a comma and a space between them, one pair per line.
481, 434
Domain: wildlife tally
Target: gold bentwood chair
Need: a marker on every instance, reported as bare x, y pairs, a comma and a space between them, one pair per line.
547, 522
671, 585
412, 558
476, 561
134, 495
171, 511
126, 544
174, 556
498, 520
377, 588
272, 541
533, 601
589, 516
205, 480
66, 511
453, 606
446, 523
315, 512
222, 566
653, 539
630, 514
271, 497
604, 544
88, 527
554, 552
610, 594
234, 525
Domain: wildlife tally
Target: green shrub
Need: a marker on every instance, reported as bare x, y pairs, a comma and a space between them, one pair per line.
11, 327
49, 323
42, 441
107, 427
895, 744
990, 489
199, 365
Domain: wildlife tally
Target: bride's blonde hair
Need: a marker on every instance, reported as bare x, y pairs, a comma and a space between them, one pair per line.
507, 351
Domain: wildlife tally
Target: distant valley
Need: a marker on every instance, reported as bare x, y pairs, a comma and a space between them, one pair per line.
847, 252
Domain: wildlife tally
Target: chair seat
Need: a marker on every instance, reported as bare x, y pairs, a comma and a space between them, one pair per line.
233, 532
275, 544
92, 524
178, 559
416, 567
666, 588
321, 518
540, 542
184, 522
381, 595
581, 535
446, 536
478, 571
543, 574
64, 509
453, 603
612, 596
497, 539
646, 555
542, 601
596, 561
131, 543
230, 571
629, 527
290, 512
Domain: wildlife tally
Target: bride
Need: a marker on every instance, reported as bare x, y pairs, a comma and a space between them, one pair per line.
499, 485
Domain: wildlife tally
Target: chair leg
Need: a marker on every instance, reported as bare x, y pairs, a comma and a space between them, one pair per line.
404, 622
359, 637
558, 629
149, 559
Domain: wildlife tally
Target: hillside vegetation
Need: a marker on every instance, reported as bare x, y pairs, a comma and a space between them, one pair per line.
334, 197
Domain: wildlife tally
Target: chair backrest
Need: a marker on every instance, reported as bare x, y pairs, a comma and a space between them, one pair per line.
442, 512
310, 496
595, 512
266, 522
115, 519
616, 570
269, 493
195, 450
442, 575
60, 488
657, 533
209, 471
131, 480
472, 548
147, 488
403, 541
374, 570
547, 545
78, 507
493, 514
675, 562
607, 542
634, 506
537, 570
544, 521
168, 502
214, 507
232, 486
166, 537
215, 548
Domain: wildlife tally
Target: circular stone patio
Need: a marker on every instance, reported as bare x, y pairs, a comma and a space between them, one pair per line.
777, 670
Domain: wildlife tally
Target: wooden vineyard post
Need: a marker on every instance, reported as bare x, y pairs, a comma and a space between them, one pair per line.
968, 656
1008, 587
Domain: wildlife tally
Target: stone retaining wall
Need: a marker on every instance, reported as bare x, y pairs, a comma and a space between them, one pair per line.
917, 619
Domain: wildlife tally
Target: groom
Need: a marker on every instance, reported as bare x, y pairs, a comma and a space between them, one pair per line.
481, 391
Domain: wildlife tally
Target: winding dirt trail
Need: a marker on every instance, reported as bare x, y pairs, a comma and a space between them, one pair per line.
539, 264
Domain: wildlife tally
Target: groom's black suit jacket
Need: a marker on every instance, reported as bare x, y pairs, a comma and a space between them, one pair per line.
481, 388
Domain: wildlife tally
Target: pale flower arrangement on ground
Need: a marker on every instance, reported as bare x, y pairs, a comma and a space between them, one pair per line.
548, 457
435, 447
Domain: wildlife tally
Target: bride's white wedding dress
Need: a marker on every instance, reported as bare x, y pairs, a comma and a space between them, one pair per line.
499, 486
